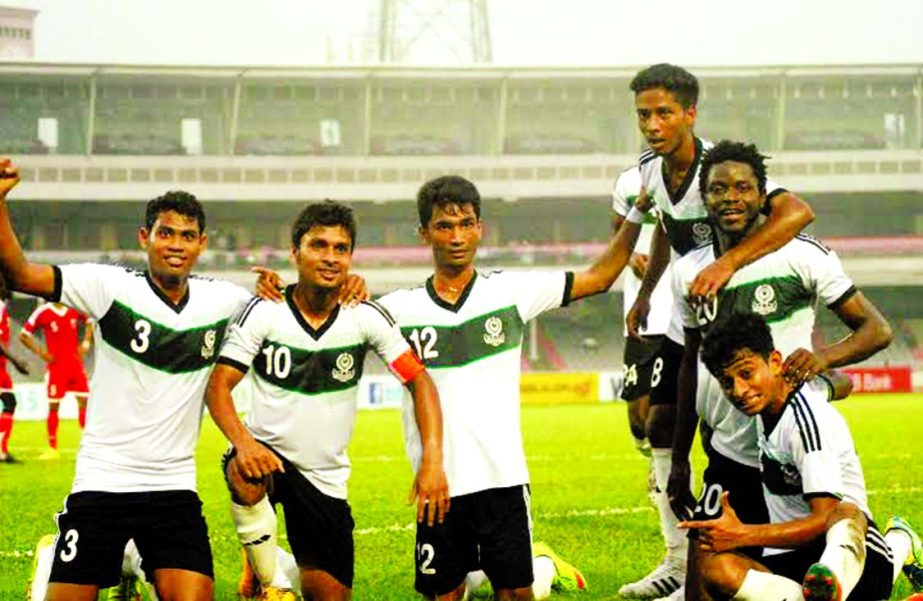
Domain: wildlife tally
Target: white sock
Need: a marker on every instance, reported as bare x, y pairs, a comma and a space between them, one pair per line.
674, 538
844, 553
42, 573
901, 547
474, 581
256, 530
544, 571
763, 586
285, 561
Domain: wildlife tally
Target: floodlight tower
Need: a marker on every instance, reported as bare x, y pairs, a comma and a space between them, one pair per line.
433, 31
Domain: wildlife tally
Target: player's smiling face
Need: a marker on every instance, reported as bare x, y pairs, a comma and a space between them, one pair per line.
663, 121
752, 383
173, 245
324, 256
454, 232
733, 197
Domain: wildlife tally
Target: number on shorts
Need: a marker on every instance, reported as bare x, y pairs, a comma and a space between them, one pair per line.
140, 343
426, 553
655, 372
423, 342
70, 539
710, 502
631, 375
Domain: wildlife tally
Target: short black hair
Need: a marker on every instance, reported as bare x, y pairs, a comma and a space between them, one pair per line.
326, 213
729, 336
179, 201
681, 83
727, 150
446, 190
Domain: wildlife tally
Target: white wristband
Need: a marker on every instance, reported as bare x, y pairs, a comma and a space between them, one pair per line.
635, 216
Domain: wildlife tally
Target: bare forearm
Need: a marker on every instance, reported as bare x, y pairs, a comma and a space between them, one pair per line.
32, 344
686, 416
428, 415
787, 535
789, 216
601, 275
657, 264
224, 414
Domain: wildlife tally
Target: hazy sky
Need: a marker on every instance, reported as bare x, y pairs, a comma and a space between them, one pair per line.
524, 32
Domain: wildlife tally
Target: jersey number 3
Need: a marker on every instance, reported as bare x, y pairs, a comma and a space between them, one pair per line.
142, 339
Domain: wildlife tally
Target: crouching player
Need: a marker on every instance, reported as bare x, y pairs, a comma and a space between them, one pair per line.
821, 531
307, 355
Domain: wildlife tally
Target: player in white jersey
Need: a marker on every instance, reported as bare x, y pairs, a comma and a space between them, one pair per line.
812, 482
307, 355
467, 327
666, 98
784, 287
158, 334
639, 354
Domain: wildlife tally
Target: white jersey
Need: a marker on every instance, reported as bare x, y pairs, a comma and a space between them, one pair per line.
152, 363
809, 452
473, 350
683, 215
624, 194
784, 287
304, 389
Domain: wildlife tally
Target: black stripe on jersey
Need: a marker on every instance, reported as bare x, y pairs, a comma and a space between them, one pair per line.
246, 311
874, 539
801, 431
808, 422
568, 287
850, 292
58, 284
384, 312
222, 360
813, 241
646, 158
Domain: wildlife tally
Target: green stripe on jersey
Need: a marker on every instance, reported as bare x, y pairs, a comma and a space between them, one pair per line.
776, 299
310, 372
473, 340
157, 346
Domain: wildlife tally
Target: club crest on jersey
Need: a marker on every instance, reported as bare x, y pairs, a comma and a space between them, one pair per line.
344, 372
701, 232
208, 344
493, 331
764, 300
790, 475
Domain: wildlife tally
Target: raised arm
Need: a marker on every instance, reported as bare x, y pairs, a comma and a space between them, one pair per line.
254, 460
603, 273
31, 278
789, 216
430, 489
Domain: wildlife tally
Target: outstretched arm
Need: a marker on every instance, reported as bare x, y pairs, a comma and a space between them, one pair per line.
601, 275
789, 216
430, 488
31, 278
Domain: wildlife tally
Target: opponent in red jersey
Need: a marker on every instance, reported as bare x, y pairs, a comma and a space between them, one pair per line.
6, 384
64, 356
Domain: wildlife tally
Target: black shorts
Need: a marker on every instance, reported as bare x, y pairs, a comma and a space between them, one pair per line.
319, 527
490, 530
639, 363
93, 528
665, 372
875, 582
745, 494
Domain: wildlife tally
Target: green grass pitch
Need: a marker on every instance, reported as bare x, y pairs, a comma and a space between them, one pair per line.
588, 493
